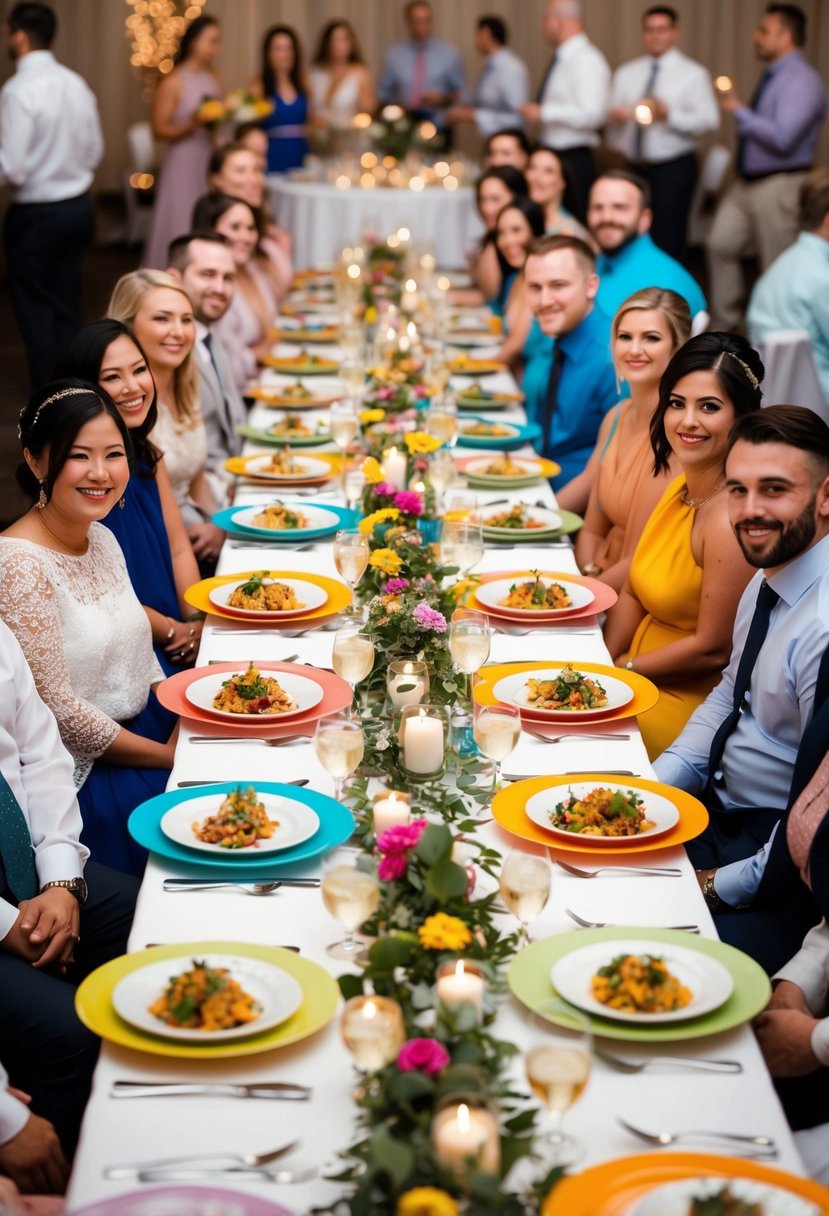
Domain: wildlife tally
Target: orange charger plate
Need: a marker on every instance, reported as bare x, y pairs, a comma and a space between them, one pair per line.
508, 811
604, 598
546, 468
339, 597
610, 1189
276, 400
645, 694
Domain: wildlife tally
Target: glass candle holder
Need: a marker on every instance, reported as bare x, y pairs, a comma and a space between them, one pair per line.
461, 982
372, 1029
423, 741
407, 682
390, 810
465, 1135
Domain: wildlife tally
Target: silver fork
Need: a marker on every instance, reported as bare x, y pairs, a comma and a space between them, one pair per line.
587, 738
231, 1159
634, 1066
603, 924
765, 1146
269, 544
650, 872
173, 885
244, 1173
518, 631
283, 741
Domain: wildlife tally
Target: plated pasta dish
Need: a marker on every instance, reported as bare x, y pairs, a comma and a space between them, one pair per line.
264, 595
536, 595
205, 998
240, 822
253, 693
602, 812
569, 690
278, 518
639, 983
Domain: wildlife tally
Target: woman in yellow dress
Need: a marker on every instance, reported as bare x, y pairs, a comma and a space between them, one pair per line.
674, 618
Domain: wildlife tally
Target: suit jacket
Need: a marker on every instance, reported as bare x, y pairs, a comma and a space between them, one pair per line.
222, 408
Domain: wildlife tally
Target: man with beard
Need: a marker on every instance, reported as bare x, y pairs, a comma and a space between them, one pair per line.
739, 748
619, 217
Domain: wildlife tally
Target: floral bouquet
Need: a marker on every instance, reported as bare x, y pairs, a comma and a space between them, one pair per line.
396, 133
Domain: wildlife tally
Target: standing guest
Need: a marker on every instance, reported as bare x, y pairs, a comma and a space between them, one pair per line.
54, 930
660, 106
341, 84
204, 264
507, 147
159, 312
777, 136
580, 384
423, 75
673, 620
239, 172
50, 145
647, 331
245, 325
176, 118
503, 86
66, 595
794, 291
282, 82
619, 217
571, 103
149, 529
547, 186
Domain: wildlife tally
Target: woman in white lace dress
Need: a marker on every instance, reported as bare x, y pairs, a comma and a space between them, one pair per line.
66, 595
341, 84
158, 310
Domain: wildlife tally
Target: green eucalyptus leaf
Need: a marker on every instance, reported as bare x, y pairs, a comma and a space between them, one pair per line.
435, 843
446, 880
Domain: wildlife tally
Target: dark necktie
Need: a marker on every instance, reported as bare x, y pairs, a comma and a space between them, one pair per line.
640, 130
551, 398
767, 597
16, 846
208, 346
762, 85
539, 97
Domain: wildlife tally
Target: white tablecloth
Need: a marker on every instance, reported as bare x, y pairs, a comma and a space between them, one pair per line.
321, 218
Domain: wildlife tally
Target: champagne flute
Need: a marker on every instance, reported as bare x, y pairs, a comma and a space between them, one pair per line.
558, 1066
525, 886
353, 655
351, 554
351, 894
496, 730
442, 419
339, 744
461, 545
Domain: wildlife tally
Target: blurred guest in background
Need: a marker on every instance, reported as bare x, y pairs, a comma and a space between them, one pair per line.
503, 86
283, 82
423, 75
547, 186
508, 146
251, 136
341, 84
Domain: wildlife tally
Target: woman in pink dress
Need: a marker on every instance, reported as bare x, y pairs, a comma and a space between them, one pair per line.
175, 118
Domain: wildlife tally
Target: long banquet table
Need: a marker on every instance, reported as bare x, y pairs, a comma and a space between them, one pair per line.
116, 1130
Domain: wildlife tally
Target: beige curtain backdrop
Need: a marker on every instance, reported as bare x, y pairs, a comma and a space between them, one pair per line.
92, 40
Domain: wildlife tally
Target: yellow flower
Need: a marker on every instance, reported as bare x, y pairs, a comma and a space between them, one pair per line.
442, 932
370, 315
368, 416
426, 1201
372, 471
368, 524
386, 561
263, 108
421, 444
211, 111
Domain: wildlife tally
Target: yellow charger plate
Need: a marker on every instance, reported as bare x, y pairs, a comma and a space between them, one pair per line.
645, 694
509, 803
611, 1188
273, 399
238, 465
339, 596
320, 998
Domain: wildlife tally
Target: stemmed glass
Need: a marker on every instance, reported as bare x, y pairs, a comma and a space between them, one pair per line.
344, 425
469, 640
351, 894
351, 554
525, 886
461, 544
441, 474
558, 1066
462, 507
339, 744
355, 483
442, 419
350, 338
352, 377
353, 655
496, 730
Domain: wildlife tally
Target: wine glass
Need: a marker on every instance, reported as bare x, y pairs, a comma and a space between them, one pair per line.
355, 483
352, 378
351, 894
351, 554
496, 730
461, 507
469, 640
441, 474
351, 338
558, 1065
525, 886
344, 427
339, 744
461, 545
353, 655
442, 419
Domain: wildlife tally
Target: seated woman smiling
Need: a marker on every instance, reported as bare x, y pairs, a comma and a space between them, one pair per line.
66, 595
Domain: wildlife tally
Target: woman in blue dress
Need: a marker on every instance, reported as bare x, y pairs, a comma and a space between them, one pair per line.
149, 529
283, 83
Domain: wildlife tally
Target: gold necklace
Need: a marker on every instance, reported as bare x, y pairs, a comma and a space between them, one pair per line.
697, 502
63, 544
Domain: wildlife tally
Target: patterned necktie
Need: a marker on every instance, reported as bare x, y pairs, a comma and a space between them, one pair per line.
762, 85
542, 88
640, 129
418, 84
16, 846
551, 399
767, 597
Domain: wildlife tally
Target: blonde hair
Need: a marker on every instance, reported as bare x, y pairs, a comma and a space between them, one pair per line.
669, 304
125, 302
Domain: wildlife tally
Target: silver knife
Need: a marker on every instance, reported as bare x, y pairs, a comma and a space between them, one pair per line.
183, 785
192, 884
210, 1089
246, 1174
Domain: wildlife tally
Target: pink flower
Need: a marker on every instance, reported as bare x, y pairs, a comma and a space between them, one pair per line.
423, 1055
385, 490
409, 502
385, 393
401, 837
429, 618
392, 867
395, 585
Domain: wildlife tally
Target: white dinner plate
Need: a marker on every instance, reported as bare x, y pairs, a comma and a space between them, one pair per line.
308, 467
550, 521
307, 693
661, 810
477, 469
309, 595
709, 981
675, 1198
493, 593
512, 432
317, 517
513, 690
278, 994
297, 823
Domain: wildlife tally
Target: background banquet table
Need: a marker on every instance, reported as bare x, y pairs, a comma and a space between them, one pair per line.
116, 1130
322, 218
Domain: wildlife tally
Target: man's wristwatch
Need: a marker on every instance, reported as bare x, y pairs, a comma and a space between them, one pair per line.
77, 887
712, 899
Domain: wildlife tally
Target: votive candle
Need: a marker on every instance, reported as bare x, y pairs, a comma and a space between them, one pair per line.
461, 983
466, 1136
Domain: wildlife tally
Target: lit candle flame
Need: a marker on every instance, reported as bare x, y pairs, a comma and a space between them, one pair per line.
463, 1117
369, 1010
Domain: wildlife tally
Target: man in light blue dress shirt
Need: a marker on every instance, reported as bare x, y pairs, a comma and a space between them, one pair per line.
777, 474
423, 75
503, 86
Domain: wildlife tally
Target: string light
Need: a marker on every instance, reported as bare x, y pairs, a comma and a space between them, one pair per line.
155, 28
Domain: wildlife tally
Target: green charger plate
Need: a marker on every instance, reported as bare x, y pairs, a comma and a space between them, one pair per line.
570, 522
529, 981
279, 441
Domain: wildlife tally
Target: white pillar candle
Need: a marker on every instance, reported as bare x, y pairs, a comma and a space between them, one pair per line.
394, 468
409, 680
463, 1135
390, 812
423, 743
461, 983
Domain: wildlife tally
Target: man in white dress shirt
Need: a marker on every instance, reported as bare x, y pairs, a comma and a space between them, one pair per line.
503, 86
571, 103
50, 146
660, 105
